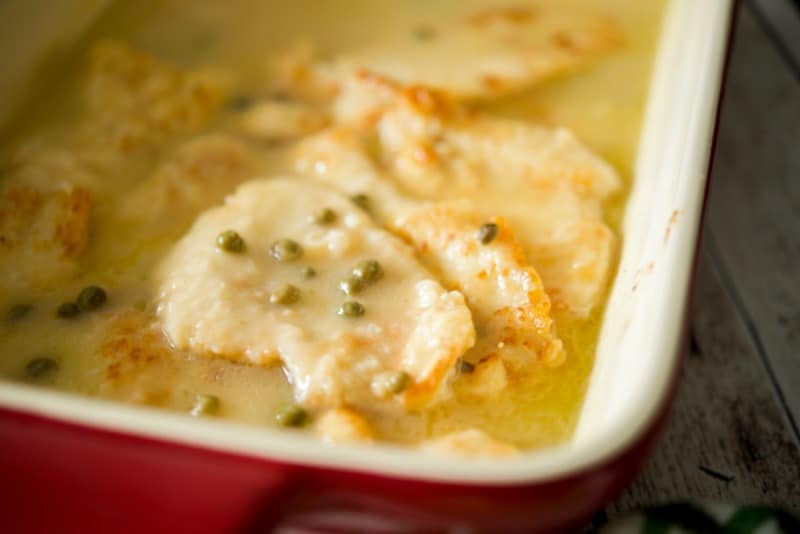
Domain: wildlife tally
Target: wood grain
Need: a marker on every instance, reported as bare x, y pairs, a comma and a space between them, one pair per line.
754, 209
728, 437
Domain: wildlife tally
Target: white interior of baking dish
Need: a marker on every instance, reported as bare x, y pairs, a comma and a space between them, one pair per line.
637, 354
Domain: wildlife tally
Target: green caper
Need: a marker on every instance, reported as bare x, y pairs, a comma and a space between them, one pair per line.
424, 33
205, 405
291, 415
487, 233
91, 298
40, 368
286, 250
230, 241
351, 308
18, 312
284, 294
351, 285
68, 310
464, 367
240, 102
280, 96
368, 271
324, 216
398, 382
361, 200
307, 273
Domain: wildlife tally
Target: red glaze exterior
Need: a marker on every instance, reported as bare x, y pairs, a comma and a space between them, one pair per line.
60, 477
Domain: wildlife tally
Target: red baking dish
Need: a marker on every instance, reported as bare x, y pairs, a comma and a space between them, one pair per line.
79, 464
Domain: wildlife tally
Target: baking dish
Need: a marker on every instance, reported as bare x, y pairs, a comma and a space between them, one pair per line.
87, 463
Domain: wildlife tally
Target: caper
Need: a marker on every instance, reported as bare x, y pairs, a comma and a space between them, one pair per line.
240, 102
205, 405
368, 271
487, 233
361, 200
91, 298
464, 367
398, 382
68, 310
286, 250
39, 368
280, 96
291, 415
230, 241
424, 33
351, 308
308, 273
18, 312
284, 294
324, 216
351, 285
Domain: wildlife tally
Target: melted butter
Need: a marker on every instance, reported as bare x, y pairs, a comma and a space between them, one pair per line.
603, 105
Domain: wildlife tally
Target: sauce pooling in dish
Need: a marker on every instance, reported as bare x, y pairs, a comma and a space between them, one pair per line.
403, 234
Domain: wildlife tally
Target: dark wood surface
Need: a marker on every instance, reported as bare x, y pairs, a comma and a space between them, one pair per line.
733, 436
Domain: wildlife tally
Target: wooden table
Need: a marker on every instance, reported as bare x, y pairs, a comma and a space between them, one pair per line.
733, 436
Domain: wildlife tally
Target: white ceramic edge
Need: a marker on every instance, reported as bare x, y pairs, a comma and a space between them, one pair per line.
673, 158
646, 309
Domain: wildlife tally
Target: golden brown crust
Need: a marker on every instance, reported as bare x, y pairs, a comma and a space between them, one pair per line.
505, 294
136, 99
42, 234
138, 360
503, 15
72, 232
56, 221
